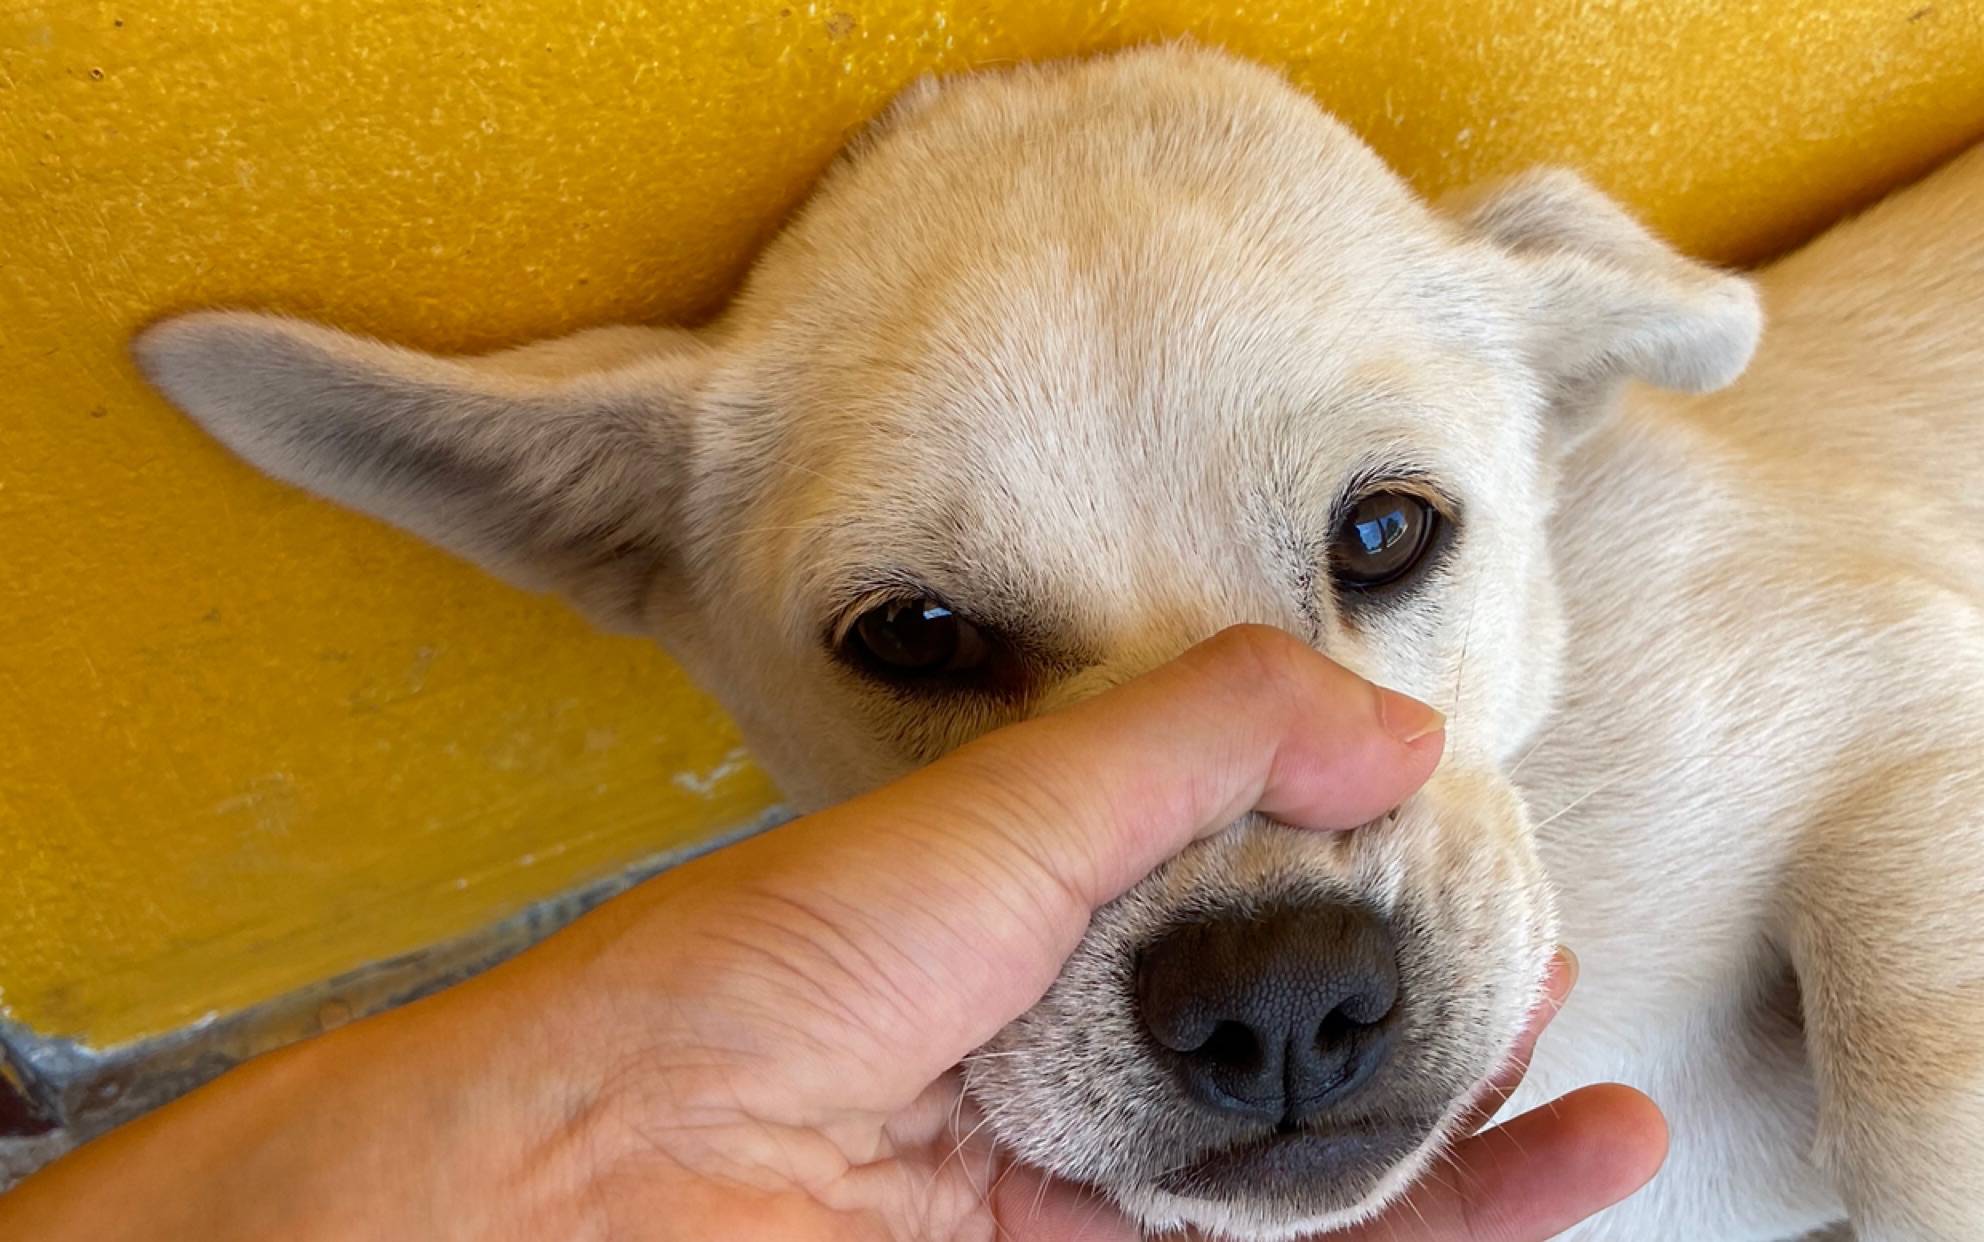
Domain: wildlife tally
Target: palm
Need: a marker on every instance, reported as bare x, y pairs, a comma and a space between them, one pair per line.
930, 1175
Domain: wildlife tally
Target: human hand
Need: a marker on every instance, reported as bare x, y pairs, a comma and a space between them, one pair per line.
761, 1043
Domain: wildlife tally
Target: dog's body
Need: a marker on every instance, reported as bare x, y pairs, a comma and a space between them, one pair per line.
1104, 358
1767, 770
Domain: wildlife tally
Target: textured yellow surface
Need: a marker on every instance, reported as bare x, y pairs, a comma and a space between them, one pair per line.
247, 740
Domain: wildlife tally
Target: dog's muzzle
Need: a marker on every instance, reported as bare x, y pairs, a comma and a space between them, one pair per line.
1278, 1020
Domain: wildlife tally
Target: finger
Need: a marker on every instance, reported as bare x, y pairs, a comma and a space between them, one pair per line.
1249, 720
1027, 1204
1534, 1176
1031, 1206
937, 909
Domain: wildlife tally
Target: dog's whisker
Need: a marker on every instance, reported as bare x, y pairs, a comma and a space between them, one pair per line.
1040, 1187
1460, 665
775, 530
1535, 745
1012, 1166
957, 1149
1411, 1201
1096, 1210
802, 469
1622, 777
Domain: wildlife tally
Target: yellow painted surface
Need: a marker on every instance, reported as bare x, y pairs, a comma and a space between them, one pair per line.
247, 740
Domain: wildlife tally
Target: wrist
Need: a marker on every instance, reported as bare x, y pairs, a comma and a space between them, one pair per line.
401, 1126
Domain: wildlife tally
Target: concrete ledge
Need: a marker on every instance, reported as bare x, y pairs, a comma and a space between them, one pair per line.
56, 1094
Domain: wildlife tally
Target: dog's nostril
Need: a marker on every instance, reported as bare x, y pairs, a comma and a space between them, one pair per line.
1273, 1016
1231, 1044
1336, 1029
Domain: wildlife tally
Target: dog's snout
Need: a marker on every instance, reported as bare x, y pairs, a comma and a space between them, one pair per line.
1273, 1016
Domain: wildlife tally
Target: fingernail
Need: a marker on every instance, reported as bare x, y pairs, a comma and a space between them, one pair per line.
1406, 718
1570, 961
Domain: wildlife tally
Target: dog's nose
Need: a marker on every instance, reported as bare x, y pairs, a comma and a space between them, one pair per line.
1273, 1016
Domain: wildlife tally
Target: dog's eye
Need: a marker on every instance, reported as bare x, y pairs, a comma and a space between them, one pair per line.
1383, 538
917, 638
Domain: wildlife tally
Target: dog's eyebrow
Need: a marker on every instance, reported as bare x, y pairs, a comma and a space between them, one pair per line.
1026, 625
1381, 475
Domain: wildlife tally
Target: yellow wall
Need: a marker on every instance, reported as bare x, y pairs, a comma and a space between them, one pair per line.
247, 740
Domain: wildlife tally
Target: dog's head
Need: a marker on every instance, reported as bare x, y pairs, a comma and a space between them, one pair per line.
1062, 370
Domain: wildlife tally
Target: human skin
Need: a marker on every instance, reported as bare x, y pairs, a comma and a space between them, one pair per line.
761, 1043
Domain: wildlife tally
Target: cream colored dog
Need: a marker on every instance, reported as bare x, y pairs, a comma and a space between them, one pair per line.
1066, 368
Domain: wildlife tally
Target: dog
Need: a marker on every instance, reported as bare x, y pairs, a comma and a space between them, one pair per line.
1064, 368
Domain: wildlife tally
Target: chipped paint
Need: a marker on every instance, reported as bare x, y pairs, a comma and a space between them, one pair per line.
708, 783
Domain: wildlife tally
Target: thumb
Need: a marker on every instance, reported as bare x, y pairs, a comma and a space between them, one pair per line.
917, 920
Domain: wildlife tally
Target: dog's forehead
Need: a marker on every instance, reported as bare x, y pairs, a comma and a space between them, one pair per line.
1182, 475
1090, 323
1172, 172
1134, 397
1156, 255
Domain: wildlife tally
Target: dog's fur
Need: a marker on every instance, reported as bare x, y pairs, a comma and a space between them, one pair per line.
1095, 354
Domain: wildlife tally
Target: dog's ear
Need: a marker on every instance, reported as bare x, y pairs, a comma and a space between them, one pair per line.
555, 466
1603, 300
